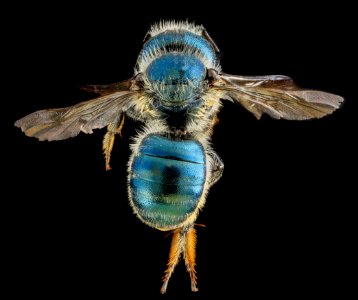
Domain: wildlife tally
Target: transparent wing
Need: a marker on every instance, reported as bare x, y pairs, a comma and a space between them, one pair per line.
277, 96
63, 123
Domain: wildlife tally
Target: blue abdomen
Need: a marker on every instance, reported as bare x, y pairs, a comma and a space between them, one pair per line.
166, 180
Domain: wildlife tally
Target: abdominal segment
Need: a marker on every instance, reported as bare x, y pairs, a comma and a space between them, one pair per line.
166, 180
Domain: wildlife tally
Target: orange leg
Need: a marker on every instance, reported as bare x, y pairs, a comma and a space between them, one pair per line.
183, 242
190, 255
176, 249
108, 140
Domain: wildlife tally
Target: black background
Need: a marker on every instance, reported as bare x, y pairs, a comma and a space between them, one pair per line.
277, 222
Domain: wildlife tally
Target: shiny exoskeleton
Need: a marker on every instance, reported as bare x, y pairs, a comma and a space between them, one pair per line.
176, 91
168, 173
166, 180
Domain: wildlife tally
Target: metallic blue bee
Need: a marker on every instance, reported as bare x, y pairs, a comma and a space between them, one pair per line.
176, 92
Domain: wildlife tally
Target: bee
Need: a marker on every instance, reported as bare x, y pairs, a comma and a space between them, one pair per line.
176, 92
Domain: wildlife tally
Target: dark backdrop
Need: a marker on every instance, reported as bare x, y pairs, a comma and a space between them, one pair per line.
277, 221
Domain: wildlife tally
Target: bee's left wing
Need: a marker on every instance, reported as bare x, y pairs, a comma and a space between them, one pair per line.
275, 95
63, 123
108, 88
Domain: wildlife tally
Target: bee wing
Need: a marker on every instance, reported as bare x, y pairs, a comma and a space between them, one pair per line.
108, 88
277, 96
63, 123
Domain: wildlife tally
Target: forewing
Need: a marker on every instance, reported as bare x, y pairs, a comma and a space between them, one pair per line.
277, 96
63, 123
108, 88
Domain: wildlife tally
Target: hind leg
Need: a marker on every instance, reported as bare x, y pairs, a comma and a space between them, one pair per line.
183, 243
190, 256
176, 250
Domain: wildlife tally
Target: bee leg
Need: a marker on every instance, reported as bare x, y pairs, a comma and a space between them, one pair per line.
190, 255
217, 168
108, 140
176, 250
183, 242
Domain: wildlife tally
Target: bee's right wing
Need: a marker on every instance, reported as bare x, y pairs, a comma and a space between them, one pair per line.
64, 123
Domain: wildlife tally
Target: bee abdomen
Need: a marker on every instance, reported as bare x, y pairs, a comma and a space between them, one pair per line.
166, 180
